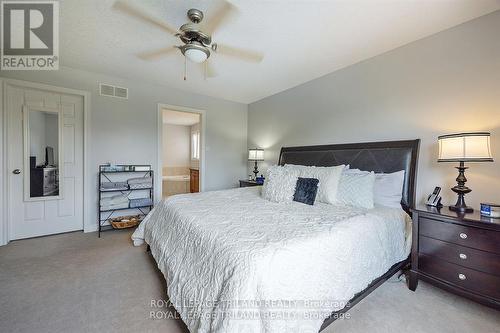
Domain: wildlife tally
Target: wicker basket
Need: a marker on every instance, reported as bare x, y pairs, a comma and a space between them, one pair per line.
123, 222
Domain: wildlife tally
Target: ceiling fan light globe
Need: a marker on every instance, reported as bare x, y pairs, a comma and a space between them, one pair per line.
196, 55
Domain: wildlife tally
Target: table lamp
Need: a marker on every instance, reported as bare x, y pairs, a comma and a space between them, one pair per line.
256, 155
464, 147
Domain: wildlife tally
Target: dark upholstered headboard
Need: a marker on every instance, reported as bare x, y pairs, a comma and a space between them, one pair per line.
389, 156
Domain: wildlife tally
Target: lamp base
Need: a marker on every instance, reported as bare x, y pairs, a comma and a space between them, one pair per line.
461, 209
255, 171
461, 190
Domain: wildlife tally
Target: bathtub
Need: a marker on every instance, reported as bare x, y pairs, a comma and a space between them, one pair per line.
175, 185
180, 178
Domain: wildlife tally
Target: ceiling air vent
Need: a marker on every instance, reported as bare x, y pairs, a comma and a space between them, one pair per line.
113, 91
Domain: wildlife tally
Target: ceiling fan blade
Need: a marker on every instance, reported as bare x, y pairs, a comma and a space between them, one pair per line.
143, 15
221, 13
210, 70
152, 55
242, 54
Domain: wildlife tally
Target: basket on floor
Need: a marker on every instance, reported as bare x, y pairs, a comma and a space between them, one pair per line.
123, 222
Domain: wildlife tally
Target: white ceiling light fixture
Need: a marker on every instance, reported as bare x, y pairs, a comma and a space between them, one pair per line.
195, 52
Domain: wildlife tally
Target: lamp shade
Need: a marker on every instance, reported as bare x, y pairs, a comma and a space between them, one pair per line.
465, 147
255, 154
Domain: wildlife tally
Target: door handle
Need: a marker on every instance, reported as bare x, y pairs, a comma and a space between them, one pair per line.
16, 171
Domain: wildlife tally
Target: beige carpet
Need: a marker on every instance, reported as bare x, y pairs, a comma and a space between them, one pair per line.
78, 283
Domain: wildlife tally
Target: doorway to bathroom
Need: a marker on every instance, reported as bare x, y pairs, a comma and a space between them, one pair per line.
181, 151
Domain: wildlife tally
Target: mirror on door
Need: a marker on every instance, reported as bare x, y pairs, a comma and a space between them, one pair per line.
43, 153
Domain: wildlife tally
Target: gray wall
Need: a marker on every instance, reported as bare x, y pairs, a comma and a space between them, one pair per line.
52, 135
125, 131
44, 132
37, 133
176, 145
446, 83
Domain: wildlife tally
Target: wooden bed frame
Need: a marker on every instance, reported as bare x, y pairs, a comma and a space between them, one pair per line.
386, 157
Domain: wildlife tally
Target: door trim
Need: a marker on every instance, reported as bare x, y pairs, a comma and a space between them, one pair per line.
159, 145
5, 223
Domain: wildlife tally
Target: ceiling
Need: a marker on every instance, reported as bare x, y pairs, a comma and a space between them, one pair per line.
180, 118
301, 39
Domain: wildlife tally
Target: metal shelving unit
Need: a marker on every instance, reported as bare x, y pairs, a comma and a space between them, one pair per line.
105, 175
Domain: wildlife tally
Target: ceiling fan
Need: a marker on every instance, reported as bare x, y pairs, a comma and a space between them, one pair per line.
196, 36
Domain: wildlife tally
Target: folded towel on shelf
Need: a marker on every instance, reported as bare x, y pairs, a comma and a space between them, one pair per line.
109, 186
137, 186
114, 200
140, 180
114, 206
140, 202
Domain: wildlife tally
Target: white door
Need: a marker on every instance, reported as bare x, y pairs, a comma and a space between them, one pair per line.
47, 127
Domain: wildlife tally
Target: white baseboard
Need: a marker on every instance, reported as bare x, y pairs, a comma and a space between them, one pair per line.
90, 228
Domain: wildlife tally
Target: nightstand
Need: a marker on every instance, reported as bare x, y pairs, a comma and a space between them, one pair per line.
248, 183
457, 252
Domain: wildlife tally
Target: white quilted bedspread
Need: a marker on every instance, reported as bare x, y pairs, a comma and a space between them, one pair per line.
235, 262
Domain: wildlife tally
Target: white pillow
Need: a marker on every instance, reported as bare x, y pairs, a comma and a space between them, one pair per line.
388, 189
328, 177
356, 189
280, 183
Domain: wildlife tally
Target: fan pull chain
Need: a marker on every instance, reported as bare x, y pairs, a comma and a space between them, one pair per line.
205, 66
185, 68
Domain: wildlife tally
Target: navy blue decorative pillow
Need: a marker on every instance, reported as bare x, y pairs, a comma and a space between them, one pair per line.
305, 190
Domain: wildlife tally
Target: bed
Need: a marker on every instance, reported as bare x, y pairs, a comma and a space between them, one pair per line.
235, 262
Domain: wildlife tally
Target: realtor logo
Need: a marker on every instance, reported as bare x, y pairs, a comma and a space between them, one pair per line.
30, 35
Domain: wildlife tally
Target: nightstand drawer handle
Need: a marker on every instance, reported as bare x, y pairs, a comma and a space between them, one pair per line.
462, 256
462, 277
463, 235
